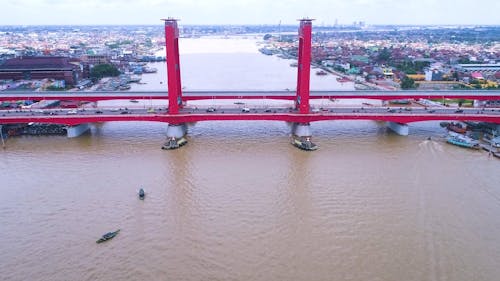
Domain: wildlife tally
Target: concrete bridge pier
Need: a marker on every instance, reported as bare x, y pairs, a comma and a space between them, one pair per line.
399, 128
301, 136
175, 136
77, 130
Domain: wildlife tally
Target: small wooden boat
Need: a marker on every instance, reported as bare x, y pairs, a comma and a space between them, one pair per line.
457, 127
107, 236
304, 143
142, 194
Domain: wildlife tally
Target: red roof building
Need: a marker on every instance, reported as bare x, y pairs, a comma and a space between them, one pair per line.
28, 68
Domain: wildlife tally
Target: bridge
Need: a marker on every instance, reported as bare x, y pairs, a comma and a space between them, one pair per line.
190, 115
254, 95
300, 114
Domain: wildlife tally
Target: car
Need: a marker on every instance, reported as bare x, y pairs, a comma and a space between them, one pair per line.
211, 109
431, 110
391, 110
124, 112
245, 109
408, 108
267, 110
459, 111
315, 110
98, 112
151, 110
71, 112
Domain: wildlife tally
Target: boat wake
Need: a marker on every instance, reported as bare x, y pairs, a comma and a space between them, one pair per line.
430, 145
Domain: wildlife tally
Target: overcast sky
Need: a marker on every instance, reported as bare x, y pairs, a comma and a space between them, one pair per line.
59, 12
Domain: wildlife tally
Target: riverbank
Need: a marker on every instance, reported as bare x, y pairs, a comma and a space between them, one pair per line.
33, 129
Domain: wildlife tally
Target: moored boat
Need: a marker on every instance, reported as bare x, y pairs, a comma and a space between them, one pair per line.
108, 236
173, 143
147, 69
462, 140
142, 194
304, 143
457, 127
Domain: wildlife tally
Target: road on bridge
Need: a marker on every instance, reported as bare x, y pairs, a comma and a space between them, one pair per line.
221, 110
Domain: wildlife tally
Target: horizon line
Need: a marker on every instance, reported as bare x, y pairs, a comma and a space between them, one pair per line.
253, 24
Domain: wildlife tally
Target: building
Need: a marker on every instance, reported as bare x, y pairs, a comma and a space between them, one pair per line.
35, 68
95, 59
487, 67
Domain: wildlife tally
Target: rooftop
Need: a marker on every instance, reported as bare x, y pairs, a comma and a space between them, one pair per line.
31, 63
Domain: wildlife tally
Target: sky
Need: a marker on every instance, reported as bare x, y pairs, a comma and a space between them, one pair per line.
209, 12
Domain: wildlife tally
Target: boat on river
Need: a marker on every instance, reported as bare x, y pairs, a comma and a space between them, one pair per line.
304, 143
457, 127
462, 140
142, 194
343, 79
108, 236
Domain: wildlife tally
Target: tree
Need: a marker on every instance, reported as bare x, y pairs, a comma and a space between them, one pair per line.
384, 55
408, 83
104, 70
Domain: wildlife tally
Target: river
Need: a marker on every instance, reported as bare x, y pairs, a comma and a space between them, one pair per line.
238, 202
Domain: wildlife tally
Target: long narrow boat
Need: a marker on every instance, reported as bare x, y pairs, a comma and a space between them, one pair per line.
107, 236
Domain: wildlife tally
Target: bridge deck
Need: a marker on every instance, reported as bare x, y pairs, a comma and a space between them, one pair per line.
416, 114
280, 95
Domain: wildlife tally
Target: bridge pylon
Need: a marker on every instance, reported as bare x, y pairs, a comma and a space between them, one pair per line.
173, 65
301, 132
304, 66
177, 131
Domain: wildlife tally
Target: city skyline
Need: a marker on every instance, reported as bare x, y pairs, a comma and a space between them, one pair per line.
326, 12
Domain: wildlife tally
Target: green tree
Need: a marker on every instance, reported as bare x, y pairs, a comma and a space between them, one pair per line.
408, 83
104, 70
384, 55
464, 60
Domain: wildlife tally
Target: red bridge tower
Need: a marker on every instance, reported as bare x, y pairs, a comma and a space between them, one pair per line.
173, 65
304, 66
